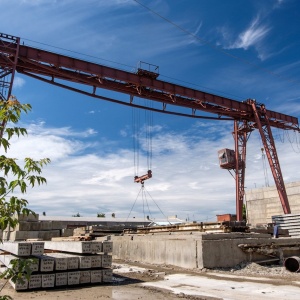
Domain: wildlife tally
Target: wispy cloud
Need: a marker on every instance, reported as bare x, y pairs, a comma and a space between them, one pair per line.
251, 36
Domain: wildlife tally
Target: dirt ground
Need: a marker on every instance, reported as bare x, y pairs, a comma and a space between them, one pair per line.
133, 281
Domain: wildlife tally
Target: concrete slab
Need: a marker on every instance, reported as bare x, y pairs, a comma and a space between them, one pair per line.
19, 286
65, 232
85, 277
17, 248
48, 280
96, 261
46, 225
106, 260
21, 226
20, 235
35, 281
61, 279
107, 275
47, 235
96, 276
70, 246
73, 278
60, 261
73, 261
96, 247
7, 258
58, 225
224, 288
37, 248
85, 262
107, 246
30, 217
46, 263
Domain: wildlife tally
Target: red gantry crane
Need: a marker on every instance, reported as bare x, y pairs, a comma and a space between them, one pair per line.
64, 71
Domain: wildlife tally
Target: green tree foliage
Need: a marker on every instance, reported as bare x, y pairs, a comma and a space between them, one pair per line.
77, 215
101, 215
15, 179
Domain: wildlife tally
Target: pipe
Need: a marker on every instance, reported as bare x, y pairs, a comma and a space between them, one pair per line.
292, 264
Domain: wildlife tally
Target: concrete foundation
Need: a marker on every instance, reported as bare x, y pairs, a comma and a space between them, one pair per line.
192, 251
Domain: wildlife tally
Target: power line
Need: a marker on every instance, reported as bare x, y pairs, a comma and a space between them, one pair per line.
265, 70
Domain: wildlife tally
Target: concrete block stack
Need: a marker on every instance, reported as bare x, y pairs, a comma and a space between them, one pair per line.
95, 231
29, 227
62, 264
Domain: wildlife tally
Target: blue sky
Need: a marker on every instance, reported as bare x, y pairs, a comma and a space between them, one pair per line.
238, 49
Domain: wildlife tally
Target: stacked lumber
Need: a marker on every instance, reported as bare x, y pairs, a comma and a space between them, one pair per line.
63, 263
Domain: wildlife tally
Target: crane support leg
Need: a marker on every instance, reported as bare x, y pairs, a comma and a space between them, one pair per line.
241, 134
264, 128
8, 68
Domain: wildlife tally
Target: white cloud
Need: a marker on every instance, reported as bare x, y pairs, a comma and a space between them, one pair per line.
41, 129
252, 36
18, 82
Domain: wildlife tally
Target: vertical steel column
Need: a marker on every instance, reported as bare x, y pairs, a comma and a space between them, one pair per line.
264, 128
241, 135
15, 61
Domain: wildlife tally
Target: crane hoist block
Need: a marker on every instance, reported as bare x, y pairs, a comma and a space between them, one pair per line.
142, 178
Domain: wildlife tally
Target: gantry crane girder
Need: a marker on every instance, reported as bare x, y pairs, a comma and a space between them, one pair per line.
63, 71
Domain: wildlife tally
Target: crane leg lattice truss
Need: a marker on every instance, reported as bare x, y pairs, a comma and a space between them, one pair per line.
263, 125
8, 65
241, 135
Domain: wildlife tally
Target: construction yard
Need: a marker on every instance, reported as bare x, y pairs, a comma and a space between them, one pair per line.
191, 261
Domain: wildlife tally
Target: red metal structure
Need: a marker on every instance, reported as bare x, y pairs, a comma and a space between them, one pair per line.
142, 178
64, 71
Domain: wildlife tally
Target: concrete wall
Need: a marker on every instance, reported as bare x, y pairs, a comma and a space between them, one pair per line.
263, 203
191, 251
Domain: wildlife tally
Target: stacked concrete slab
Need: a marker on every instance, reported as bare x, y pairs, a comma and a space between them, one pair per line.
29, 227
289, 222
70, 263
